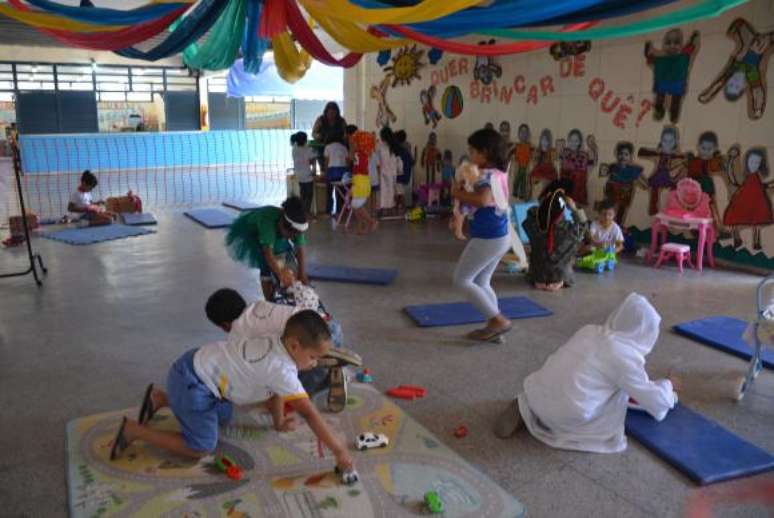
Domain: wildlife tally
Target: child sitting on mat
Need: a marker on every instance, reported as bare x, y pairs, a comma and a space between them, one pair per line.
553, 240
81, 203
604, 232
578, 399
259, 238
204, 384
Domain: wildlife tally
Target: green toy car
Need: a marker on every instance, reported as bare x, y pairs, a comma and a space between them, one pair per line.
433, 502
598, 261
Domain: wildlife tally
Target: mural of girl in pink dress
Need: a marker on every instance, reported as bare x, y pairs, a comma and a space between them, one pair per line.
575, 163
670, 166
750, 204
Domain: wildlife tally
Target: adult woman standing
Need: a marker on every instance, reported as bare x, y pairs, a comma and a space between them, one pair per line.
328, 127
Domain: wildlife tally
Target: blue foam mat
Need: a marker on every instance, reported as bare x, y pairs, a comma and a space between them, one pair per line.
378, 276
144, 218
460, 313
241, 205
724, 334
91, 235
702, 449
211, 218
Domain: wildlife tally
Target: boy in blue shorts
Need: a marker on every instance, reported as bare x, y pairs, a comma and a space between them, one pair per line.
205, 383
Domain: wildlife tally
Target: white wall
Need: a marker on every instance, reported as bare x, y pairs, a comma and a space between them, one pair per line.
621, 65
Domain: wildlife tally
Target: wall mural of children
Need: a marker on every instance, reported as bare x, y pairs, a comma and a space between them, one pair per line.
431, 158
750, 205
384, 114
670, 166
522, 154
544, 171
430, 114
622, 176
745, 70
706, 164
671, 66
576, 163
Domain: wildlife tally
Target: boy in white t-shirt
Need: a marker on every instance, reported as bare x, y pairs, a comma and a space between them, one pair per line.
80, 202
205, 383
604, 232
336, 157
303, 158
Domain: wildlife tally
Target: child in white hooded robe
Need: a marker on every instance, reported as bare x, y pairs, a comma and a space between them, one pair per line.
578, 399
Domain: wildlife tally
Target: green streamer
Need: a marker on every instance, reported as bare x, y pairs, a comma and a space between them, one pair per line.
222, 45
702, 11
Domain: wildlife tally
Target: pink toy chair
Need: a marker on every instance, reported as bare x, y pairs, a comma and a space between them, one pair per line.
345, 191
681, 253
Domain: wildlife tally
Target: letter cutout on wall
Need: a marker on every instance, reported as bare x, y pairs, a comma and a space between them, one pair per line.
670, 166
384, 114
429, 112
486, 68
745, 71
622, 177
576, 162
750, 204
671, 67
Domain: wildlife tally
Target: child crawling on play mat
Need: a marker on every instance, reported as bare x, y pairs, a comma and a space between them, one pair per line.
228, 310
204, 384
81, 203
579, 398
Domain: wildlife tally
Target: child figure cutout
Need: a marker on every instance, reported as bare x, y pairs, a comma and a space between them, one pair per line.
431, 115
522, 154
750, 205
544, 170
702, 167
670, 71
576, 163
670, 166
431, 158
622, 176
384, 114
745, 70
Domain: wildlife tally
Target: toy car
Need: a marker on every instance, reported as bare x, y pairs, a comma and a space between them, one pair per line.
227, 465
433, 502
369, 440
347, 478
598, 260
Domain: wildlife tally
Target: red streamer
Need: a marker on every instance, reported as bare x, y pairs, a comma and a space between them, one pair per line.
484, 50
274, 18
109, 40
311, 43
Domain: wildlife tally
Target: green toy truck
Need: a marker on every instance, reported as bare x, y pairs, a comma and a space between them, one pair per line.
433, 502
598, 261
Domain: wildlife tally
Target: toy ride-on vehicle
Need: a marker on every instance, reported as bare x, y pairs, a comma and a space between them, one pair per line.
598, 261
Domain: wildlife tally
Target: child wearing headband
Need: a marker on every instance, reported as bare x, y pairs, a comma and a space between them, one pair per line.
260, 238
553, 240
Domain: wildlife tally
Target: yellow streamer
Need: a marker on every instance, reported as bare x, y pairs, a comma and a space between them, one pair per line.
291, 64
422, 12
351, 36
54, 21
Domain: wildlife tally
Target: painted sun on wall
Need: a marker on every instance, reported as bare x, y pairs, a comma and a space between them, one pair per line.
406, 66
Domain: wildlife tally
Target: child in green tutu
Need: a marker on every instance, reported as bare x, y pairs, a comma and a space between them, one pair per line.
260, 239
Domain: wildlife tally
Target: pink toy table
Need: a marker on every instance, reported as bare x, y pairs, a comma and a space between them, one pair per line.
705, 226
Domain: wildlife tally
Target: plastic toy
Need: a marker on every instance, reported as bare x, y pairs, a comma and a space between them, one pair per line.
227, 465
348, 477
368, 440
415, 214
364, 376
759, 335
433, 502
409, 392
598, 260
461, 431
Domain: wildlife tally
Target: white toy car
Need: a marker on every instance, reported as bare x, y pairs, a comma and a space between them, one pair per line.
369, 440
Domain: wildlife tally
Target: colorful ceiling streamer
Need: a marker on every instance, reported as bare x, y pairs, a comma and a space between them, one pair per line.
247, 28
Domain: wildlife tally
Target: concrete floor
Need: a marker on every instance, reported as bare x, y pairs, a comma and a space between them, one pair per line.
112, 316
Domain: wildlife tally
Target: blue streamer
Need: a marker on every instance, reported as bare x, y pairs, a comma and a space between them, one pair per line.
192, 27
612, 9
253, 47
104, 16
